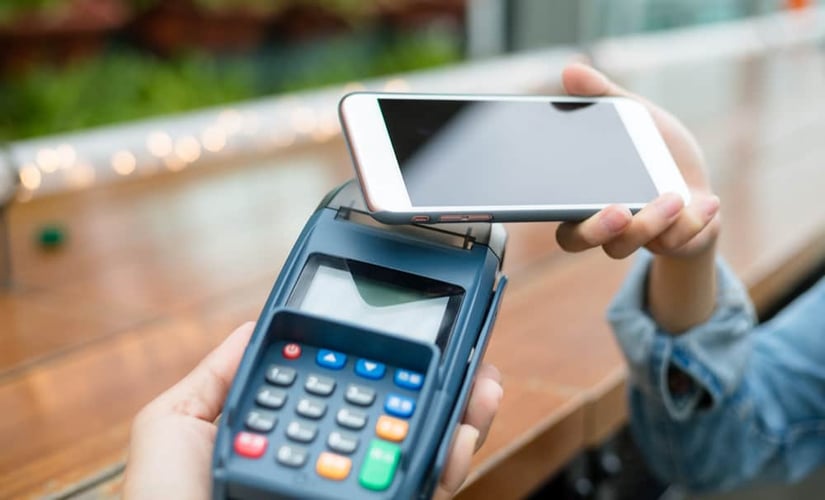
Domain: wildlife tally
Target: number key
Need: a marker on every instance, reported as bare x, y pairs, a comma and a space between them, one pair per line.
270, 397
311, 408
280, 375
292, 456
318, 385
261, 421
359, 395
352, 419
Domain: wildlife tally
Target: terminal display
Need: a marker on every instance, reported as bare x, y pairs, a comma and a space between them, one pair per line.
394, 302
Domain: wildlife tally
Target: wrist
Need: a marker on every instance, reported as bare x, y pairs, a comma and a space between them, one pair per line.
681, 290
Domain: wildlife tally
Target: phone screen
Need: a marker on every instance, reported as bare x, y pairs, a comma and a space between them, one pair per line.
506, 153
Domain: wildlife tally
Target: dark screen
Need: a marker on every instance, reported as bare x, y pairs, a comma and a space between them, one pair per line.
471, 153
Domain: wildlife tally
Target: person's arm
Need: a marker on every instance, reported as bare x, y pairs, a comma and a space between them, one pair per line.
715, 401
748, 404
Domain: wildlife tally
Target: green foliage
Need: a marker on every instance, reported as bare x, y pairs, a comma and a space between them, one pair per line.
116, 87
127, 85
347, 60
10, 10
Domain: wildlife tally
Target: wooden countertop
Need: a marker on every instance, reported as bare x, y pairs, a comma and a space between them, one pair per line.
157, 271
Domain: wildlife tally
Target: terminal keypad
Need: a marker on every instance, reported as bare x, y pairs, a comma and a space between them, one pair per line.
331, 414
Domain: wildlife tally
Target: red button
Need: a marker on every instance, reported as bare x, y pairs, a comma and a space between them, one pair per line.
250, 445
292, 351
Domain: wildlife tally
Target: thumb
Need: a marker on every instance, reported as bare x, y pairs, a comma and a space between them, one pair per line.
458, 465
202, 392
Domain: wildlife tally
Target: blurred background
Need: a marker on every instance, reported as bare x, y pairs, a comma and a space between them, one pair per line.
159, 57
158, 158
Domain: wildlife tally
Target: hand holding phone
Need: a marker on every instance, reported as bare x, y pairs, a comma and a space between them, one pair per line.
455, 158
689, 232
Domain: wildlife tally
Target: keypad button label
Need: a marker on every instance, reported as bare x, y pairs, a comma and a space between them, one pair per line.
342, 442
399, 406
250, 445
280, 375
292, 456
380, 465
270, 397
369, 369
359, 395
408, 380
261, 421
330, 359
320, 386
311, 408
291, 351
304, 432
332, 466
351, 419
391, 429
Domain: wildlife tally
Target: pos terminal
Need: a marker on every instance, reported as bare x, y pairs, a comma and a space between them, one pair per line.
362, 360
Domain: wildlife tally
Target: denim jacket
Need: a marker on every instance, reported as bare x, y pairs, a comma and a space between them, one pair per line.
727, 402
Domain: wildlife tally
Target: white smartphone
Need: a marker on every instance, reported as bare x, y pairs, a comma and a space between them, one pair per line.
429, 158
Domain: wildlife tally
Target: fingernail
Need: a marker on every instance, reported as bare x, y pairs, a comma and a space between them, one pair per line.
710, 206
615, 221
670, 205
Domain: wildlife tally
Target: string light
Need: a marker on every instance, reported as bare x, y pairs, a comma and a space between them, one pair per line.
67, 156
213, 139
230, 120
188, 149
124, 162
174, 163
80, 176
353, 87
159, 144
396, 85
30, 177
48, 160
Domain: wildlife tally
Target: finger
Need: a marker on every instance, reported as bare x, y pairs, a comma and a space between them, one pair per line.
202, 392
595, 231
583, 80
485, 399
648, 224
691, 221
489, 370
458, 465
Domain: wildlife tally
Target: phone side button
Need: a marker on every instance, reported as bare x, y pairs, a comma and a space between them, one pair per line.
480, 218
453, 218
420, 218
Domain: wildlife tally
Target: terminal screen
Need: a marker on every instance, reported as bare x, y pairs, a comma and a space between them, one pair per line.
382, 299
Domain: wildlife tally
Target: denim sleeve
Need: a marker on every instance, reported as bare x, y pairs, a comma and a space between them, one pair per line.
751, 404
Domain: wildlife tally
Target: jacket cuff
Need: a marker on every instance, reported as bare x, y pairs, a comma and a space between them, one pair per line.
711, 356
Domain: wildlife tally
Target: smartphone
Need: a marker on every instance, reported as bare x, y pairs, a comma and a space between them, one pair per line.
432, 158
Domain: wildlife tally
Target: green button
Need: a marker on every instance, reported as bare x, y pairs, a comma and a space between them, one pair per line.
379, 466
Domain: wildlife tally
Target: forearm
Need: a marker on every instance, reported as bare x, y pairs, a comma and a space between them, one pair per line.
681, 291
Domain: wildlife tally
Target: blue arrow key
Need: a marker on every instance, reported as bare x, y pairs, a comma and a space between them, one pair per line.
330, 359
369, 369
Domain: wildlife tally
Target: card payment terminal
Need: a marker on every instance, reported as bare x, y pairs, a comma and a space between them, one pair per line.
362, 360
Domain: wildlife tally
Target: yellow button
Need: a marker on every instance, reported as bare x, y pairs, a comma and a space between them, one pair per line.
332, 466
391, 429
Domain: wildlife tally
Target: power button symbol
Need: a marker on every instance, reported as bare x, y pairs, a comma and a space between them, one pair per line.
292, 351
